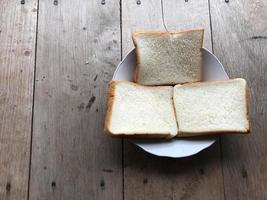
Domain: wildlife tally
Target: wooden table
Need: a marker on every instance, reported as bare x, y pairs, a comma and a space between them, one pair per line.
56, 58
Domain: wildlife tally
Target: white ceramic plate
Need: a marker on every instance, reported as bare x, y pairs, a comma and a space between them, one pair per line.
177, 147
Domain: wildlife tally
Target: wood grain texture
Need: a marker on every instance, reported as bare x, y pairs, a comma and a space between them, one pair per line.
17, 54
78, 48
240, 42
151, 177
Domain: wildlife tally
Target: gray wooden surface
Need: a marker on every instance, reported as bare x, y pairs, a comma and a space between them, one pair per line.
240, 42
17, 55
78, 48
78, 45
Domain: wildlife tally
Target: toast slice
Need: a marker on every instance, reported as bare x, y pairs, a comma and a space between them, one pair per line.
212, 107
142, 111
168, 58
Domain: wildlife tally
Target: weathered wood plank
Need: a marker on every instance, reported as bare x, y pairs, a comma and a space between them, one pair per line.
240, 42
78, 47
151, 177
17, 55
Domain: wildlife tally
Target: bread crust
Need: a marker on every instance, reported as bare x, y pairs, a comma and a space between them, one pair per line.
247, 107
173, 105
166, 33
200, 133
140, 135
137, 69
209, 133
115, 82
110, 103
209, 82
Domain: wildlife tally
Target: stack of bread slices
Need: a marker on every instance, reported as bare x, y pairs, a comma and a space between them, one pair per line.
168, 98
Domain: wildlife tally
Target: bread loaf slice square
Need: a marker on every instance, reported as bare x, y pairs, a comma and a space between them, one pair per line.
142, 111
168, 58
212, 107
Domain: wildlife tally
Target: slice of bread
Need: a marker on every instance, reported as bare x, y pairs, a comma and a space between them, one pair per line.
212, 107
168, 58
140, 110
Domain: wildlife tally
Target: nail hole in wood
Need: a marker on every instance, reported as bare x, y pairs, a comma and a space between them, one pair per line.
102, 184
8, 187
22, 2
244, 173
138, 2
53, 184
55, 2
103, 2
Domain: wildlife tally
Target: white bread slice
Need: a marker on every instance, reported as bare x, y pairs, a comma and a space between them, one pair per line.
140, 111
168, 58
212, 107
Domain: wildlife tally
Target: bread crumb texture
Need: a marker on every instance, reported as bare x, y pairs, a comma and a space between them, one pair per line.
205, 107
169, 58
139, 110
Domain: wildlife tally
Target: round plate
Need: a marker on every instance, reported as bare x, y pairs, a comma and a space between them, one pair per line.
176, 147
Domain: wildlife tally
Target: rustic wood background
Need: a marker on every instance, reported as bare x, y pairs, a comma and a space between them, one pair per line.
56, 58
